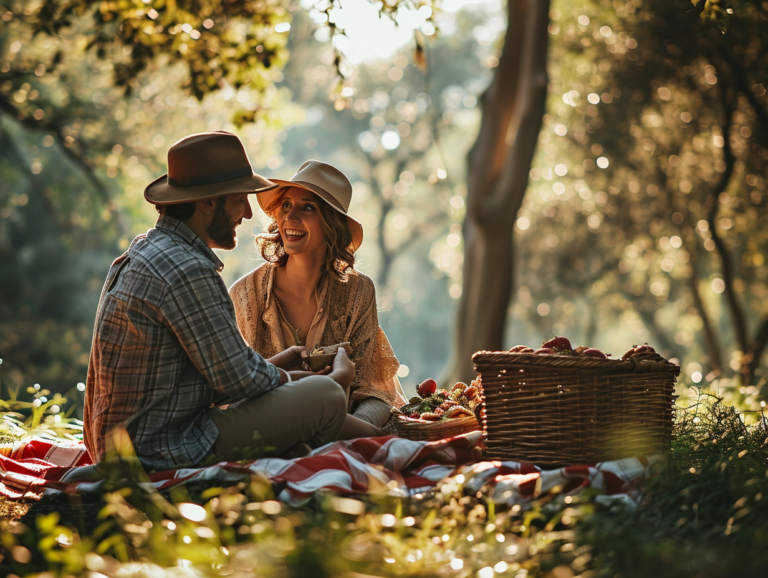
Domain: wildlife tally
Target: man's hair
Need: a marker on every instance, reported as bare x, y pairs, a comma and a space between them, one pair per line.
340, 257
180, 211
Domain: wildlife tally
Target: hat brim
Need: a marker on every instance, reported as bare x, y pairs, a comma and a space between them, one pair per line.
159, 192
267, 198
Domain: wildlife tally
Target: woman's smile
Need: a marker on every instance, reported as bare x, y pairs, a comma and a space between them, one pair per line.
292, 234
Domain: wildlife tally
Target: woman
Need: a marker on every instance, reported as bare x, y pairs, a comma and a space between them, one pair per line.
308, 292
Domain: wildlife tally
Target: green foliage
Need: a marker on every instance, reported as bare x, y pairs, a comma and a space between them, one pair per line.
218, 42
41, 417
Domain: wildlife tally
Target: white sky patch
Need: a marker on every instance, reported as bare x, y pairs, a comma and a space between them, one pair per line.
368, 37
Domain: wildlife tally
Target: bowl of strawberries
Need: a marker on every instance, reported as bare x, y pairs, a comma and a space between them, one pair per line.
440, 413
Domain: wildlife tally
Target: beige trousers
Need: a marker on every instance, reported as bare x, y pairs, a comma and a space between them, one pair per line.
309, 411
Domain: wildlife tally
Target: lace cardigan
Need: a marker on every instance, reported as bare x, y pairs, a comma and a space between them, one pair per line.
348, 313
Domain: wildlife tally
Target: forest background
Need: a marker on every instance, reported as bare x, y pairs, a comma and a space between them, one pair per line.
644, 215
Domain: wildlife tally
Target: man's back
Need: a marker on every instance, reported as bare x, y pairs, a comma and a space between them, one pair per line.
166, 347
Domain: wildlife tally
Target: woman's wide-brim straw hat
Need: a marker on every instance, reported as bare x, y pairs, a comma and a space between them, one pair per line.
204, 165
328, 183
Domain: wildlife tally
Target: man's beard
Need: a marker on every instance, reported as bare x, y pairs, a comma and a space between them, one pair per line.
222, 229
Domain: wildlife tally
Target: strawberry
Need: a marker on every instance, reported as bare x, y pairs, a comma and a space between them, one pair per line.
521, 349
558, 344
427, 387
644, 350
594, 353
545, 351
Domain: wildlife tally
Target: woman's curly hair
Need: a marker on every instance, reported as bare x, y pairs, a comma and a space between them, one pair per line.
340, 256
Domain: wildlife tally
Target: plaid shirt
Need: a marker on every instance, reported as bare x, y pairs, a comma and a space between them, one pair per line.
165, 348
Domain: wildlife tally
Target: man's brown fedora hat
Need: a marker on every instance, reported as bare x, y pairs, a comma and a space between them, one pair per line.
328, 183
203, 165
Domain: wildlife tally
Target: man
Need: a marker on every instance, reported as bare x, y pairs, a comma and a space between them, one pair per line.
166, 350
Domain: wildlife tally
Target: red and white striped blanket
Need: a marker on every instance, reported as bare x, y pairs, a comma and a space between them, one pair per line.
386, 465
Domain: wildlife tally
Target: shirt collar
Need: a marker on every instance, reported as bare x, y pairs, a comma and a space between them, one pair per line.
179, 229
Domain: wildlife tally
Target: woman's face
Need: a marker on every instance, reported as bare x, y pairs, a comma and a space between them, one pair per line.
299, 222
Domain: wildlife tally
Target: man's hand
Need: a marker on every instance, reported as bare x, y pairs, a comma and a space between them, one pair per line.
343, 371
289, 360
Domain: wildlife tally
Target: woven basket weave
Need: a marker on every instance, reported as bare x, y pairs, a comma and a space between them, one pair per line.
430, 432
556, 410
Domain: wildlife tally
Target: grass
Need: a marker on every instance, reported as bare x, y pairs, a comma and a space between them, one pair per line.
703, 515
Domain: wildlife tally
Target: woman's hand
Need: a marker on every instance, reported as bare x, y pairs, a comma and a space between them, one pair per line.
290, 359
343, 371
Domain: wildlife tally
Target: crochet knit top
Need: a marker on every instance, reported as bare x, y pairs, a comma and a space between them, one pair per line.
346, 312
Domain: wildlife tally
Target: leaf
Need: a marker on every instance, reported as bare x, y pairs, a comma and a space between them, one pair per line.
47, 523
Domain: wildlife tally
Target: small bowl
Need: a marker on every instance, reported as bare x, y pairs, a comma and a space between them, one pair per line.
319, 362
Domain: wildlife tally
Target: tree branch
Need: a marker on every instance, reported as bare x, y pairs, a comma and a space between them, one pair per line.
649, 320
713, 344
34, 181
741, 81
689, 244
737, 314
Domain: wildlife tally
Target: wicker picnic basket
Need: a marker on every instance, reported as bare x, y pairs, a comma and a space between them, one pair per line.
430, 432
556, 410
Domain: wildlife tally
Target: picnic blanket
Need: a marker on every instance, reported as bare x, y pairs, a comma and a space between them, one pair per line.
385, 465
30, 466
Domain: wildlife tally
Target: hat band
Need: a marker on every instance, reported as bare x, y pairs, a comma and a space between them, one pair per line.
209, 179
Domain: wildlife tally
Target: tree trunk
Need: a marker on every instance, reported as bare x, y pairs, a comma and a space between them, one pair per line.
497, 176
